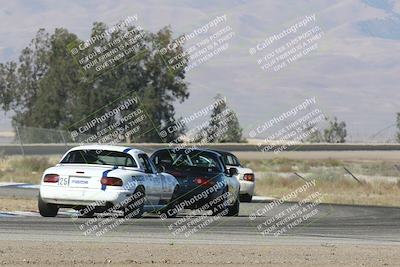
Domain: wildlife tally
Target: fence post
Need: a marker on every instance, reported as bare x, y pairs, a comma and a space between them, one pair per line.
352, 175
20, 141
63, 138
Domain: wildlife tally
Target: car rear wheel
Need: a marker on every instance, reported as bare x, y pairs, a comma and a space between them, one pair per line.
46, 209
135, 207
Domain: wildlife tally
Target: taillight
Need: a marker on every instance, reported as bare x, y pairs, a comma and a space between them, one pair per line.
202, 181
248, 177
111, 181
51, 178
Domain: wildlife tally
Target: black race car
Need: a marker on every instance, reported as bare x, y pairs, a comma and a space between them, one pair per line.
204, 181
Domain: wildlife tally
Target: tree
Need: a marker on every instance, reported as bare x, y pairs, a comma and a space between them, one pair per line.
398, 127
8, 80
223, 125
336, 132
48, 88
314, 135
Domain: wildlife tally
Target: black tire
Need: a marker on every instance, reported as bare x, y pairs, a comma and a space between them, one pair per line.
46, 209
171, 206
234, 209
246, 198
135, 207
224, 209
89, 214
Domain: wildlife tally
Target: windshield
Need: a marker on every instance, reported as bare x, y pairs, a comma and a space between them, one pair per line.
193, 161
102, 157
230, 159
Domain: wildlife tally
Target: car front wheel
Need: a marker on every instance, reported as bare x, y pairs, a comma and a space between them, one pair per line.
135, 207
171, 211
234, 209
225, 209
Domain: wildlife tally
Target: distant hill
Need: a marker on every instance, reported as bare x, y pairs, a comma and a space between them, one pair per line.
354, 73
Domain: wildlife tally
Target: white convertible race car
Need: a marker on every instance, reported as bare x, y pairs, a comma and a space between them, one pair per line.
102, 178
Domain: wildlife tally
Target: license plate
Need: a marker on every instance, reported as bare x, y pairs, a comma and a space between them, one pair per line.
63, 181
78, 181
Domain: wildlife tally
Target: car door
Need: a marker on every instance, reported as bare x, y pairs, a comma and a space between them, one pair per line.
152, 181
232, 182
162, 159
168, 184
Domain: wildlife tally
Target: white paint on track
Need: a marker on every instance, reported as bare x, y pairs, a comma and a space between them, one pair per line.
19, 185
9, 184
262, 199
14, 214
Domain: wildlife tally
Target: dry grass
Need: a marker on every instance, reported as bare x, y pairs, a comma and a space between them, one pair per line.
332, 181
27, 169
277, 178
341, 191
13, 204
279, 164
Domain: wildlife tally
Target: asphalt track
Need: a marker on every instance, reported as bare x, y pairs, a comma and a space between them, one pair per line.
332, 224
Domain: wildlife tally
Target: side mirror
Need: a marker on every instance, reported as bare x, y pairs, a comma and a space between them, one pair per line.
232, 171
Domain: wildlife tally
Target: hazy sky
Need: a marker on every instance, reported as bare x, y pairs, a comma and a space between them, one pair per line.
354, 72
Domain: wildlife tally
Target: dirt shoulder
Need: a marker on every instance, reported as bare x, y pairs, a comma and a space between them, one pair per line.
18, 204
16, 253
